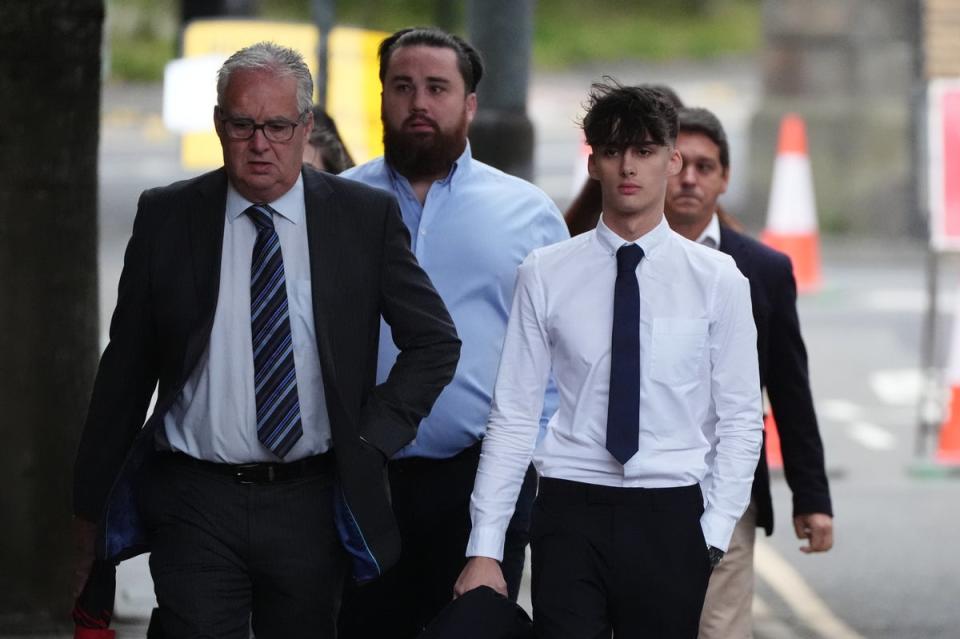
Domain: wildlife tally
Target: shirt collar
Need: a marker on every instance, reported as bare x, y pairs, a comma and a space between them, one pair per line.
712, 233
649, 241
290, 205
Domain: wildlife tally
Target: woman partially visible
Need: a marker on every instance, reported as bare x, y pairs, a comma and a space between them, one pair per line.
326, 150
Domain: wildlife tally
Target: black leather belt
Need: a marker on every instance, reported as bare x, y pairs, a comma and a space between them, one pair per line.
259, 473
582, 493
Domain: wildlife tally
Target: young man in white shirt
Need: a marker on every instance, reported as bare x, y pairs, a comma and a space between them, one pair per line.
647, 464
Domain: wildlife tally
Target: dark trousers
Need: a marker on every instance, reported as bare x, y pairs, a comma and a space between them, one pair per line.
431, 499
227, 557
627, 561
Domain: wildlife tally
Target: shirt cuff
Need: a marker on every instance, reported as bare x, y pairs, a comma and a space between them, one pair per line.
717, 528
486, 541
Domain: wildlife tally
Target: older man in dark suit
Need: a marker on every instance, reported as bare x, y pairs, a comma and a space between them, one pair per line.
252, 295
691, 210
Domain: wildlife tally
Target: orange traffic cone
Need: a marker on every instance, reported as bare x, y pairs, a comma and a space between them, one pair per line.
580, 174
774, 455
791, 212
948, 446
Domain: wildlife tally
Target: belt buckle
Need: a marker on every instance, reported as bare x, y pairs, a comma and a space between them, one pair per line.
247, 474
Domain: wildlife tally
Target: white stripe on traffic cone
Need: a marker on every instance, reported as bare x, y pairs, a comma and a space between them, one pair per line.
791, 212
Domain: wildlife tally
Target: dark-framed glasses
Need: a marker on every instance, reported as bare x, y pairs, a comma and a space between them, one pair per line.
279, 130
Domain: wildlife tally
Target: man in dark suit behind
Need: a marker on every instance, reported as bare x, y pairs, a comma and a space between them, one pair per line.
691, 210
252, 295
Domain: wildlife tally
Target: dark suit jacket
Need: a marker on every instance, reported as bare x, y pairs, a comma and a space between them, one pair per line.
783, 371
360, 266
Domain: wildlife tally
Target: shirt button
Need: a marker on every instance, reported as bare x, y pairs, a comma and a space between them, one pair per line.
423, 231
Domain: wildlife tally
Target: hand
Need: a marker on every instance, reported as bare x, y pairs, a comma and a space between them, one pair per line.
817, 528
480, 571
84, 536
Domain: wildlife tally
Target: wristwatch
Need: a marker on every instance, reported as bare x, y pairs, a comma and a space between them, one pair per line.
715, 555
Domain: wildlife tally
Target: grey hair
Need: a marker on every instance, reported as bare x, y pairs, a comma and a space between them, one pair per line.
269, 56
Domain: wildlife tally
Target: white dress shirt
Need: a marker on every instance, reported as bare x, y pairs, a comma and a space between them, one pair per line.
711, 235
215, 415
700, 415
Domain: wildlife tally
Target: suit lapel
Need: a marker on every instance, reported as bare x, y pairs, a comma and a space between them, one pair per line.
206, 237
729, 241
323, 210
206, 219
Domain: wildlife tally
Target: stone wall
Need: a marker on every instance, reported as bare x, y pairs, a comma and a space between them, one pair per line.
849, 68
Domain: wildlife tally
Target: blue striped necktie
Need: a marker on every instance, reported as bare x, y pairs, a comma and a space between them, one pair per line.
275, 378
623, 409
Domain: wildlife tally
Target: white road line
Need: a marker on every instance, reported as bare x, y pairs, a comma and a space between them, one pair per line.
766, 625
839, 410
795, 592
760, 608
904, 300
871, 436
899, 387
892, 300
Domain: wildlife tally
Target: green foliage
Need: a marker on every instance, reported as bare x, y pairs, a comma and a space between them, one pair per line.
386, 15
141, 37
570, 32
139, 60
566, 32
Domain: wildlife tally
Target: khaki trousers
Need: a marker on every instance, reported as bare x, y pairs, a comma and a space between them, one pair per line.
727, 608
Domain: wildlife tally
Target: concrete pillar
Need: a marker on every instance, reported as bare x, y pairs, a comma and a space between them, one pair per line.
50, 80
501, 133
323, 13
848, 67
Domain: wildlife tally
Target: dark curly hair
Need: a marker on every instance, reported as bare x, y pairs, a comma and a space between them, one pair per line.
624, 116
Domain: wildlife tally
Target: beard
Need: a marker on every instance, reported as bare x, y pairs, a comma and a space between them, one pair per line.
422, 156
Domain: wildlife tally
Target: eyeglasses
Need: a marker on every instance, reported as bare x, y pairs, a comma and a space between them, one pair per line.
274, 130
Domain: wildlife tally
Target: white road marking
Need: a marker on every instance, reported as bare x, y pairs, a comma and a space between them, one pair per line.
760, 608
766, 625
863, 432
795, 592
871, 436
900, 387
907, 300
839, 410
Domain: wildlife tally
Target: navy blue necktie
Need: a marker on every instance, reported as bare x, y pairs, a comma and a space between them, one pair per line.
623, 409
275, 378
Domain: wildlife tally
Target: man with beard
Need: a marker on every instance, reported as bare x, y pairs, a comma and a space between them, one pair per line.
691, 210
471, 226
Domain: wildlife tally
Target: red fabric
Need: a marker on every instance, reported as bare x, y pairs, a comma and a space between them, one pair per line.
93, 633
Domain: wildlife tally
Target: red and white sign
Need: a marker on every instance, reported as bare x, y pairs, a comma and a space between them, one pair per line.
943, 143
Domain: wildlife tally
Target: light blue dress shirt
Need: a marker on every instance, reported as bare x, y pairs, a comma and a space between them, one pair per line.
475, 227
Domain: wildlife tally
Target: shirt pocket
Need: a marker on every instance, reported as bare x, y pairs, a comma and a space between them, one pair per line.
677, 349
